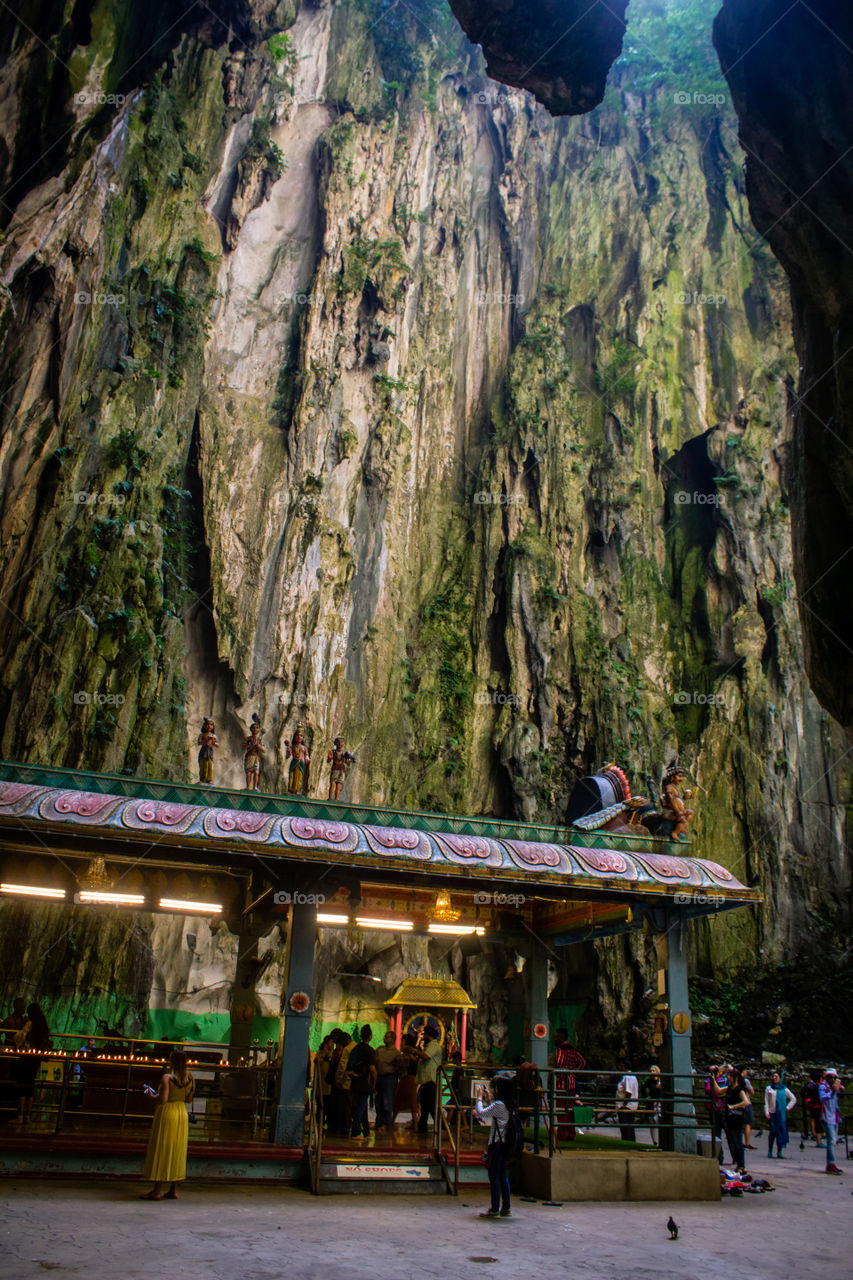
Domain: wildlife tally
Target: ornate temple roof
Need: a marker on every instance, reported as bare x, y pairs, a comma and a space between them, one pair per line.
31, 800
437, 993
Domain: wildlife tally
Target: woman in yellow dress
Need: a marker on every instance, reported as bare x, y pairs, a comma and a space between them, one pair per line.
166, 1160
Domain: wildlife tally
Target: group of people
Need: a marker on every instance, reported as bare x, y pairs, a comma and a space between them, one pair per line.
730, 1092
632, 1098
635, 1100
350, 1072
26, 1030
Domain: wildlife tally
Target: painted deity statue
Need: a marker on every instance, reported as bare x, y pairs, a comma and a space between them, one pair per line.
208, 742
297, 753
340, 759
253, 750
673, 808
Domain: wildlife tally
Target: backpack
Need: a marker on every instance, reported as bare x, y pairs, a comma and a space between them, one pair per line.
811, 1096
513, 1134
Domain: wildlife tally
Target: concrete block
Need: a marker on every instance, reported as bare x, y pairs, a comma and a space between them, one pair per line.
611, 1176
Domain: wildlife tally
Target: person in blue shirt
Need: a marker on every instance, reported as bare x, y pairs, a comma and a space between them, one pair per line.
831, 1103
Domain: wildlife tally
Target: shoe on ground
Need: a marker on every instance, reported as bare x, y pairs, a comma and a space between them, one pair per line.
506, 1213
490, 1213
833, 1168
780, 1156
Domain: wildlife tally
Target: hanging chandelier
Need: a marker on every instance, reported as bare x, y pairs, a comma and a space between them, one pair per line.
442, 909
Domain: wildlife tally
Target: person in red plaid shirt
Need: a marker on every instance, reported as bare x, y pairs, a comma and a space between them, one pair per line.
568, 1060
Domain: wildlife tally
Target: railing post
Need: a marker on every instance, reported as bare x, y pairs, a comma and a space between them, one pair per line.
60, 1111
552, 1108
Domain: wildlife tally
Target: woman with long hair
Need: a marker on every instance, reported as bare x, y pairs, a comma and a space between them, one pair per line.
166, 1160
34, 1035
737, 1101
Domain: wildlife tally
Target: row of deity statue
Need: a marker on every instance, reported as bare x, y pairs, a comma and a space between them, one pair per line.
296, 751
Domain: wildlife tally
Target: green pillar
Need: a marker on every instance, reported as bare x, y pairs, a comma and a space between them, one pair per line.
290, 1113
673, 1002
537, 1050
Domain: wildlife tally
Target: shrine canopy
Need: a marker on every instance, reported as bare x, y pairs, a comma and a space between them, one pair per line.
437, 993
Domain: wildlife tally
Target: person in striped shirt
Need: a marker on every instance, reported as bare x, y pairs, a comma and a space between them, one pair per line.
567, 1060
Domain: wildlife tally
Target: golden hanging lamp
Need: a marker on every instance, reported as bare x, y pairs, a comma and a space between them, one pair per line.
96, 875
442, 909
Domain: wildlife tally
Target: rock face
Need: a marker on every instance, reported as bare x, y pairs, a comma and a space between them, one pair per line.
561, 52
790, 70
346, 385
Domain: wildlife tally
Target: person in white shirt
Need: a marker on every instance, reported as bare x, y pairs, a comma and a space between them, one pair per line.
627, 1099
430, 1060
778, 1101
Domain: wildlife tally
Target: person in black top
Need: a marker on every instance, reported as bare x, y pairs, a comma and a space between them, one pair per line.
362, 1073
737, 1101
651, 1091
34, 1035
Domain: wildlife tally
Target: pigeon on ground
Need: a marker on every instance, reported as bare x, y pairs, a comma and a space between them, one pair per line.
672, 1228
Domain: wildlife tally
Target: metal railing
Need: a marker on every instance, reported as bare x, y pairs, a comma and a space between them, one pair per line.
451, 1124
552, 1112
316, 1121
95, 1084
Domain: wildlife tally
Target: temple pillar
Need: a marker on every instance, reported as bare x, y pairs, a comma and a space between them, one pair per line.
289, 1128
536, 1050
675, 1022
244, 1001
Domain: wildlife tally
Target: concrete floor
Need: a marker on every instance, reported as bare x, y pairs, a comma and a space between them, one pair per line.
101, 1230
